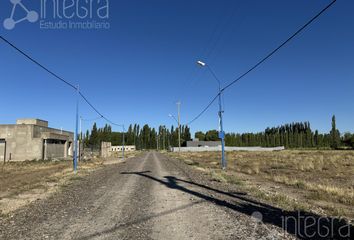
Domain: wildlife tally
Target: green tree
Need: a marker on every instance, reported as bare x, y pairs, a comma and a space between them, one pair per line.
145, 137
153, 139
212, 135
186, 135
130, 135
94, 138
87, 138
200, 135
335, 134
348, 140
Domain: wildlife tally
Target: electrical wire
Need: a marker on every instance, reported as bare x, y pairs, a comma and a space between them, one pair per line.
264, 59
214, 40
213, 100
37, 63
59, 78
280, 46
225, 25
204, 110
115, 124
90, 104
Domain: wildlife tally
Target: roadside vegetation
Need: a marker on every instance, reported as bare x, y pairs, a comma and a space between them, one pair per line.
317, 181
296, 135
24, 182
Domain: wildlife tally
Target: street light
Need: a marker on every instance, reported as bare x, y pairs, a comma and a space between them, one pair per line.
221, 128
202, 64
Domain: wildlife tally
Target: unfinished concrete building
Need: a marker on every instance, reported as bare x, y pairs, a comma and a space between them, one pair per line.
32, 139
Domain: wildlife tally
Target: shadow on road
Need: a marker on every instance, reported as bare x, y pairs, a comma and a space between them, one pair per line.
136, 222
303, 225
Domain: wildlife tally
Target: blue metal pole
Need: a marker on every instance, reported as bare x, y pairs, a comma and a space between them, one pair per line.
76, 130
222, 134
221, 127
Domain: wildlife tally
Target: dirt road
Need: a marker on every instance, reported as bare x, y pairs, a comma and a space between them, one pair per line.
146, 197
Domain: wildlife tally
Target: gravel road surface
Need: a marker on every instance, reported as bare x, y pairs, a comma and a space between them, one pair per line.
146, 197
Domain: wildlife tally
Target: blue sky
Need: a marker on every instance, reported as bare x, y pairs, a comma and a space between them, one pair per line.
135, 71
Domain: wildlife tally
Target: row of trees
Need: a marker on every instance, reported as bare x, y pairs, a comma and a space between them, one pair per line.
143, 137
294, 135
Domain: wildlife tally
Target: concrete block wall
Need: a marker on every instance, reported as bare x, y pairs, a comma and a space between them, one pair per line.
106, 149
30, 121
228, 149
25, 141
54, 151
20, 144
2, 151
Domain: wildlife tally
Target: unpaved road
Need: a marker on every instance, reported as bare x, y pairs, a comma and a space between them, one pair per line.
146, 197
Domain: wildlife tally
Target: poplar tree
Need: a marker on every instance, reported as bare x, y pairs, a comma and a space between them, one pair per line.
335, 135
94, 136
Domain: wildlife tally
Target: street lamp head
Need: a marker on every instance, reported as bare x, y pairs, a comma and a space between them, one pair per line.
170, 115
202, 64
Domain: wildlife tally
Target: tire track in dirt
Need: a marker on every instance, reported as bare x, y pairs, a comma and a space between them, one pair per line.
146, 197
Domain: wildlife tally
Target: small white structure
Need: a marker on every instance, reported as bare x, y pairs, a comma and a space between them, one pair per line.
128, 148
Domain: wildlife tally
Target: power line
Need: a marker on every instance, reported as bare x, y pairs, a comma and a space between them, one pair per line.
213, 41
204, 110
90, 104
281, 45
115, 124
225, 25
59, 78
37, 63
264, 59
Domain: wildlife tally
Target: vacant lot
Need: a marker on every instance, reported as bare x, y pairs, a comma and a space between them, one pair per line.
24, 182
318, 181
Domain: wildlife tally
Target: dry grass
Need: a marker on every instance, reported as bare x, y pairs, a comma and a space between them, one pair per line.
18, 177
320, 181
127, 154
24, 182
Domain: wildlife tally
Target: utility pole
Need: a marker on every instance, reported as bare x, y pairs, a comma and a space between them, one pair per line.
76, 129
123, 142
178, 121
163, 137
80, 141
179, 125
221, 133
220, 113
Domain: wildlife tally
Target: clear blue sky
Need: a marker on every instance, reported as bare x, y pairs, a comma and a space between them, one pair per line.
136, 71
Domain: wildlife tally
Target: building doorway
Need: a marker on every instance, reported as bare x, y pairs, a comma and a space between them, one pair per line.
2, 150
53, 149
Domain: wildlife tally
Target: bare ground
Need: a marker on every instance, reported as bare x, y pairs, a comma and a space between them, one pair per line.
318, 181
149, 197
21, 183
